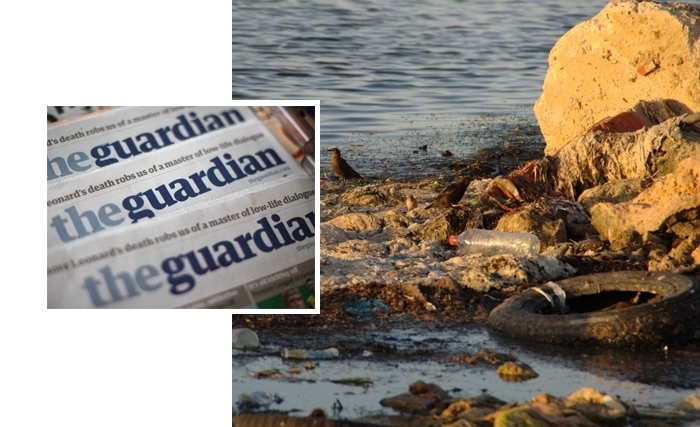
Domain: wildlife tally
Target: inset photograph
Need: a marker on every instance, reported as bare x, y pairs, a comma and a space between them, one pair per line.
182, 207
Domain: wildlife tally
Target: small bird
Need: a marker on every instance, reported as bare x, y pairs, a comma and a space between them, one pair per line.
411, 202
341, 167
451, 195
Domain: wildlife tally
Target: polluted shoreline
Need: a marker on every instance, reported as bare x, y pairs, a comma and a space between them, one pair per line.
405, 308
422, 332
370, 380
399, 311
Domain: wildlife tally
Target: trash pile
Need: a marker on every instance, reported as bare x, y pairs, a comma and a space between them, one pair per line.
618, 188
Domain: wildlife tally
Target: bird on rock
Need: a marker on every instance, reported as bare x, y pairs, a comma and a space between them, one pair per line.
411, 202
341, 167
451, 195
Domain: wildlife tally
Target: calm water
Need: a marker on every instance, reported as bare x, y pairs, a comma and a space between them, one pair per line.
651, 378
392, 76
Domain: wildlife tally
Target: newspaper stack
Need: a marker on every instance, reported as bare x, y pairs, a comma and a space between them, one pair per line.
163, 207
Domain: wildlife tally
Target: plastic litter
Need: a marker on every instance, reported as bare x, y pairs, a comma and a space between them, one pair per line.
557, 298
329, 353
559, 294
245, 338
491, 242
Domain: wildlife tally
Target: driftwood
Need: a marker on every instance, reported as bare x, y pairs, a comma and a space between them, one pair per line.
597, 157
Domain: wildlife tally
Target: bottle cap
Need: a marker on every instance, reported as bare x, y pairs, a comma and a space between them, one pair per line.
452, 240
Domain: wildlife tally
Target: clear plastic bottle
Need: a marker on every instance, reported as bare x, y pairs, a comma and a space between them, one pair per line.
491, 242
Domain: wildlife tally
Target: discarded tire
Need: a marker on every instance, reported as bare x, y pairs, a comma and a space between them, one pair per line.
665, 309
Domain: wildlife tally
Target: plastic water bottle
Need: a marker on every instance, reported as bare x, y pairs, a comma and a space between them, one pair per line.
329, 353
491, 242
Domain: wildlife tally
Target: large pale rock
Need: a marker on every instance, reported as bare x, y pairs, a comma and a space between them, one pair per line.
648, 212
631, 51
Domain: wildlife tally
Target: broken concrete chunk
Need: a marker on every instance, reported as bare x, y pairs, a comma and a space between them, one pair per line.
649, 211
630, 51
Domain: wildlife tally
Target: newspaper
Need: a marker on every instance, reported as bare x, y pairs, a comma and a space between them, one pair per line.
242, 251
58, 114
105, 139
139, 189
180, 207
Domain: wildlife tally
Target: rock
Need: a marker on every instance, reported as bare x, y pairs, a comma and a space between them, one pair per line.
356, 222
330, 234
690, 404
650, 210
687, 251
511, 371
630, 51
422, 398
549, 399
627, 239
597, 407
547, 231
472, 410
451, 222
611, 192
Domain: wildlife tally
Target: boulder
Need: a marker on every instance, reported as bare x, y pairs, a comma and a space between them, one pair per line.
421, 398
631, 51
648, 212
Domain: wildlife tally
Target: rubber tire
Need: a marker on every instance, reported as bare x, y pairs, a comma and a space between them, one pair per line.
675, 319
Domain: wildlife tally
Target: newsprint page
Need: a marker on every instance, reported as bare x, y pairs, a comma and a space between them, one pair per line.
182, 207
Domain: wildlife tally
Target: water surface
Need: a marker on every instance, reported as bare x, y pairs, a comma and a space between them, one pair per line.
395, 75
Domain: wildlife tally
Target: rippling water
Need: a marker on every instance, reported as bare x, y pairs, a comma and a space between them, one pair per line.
391, 75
